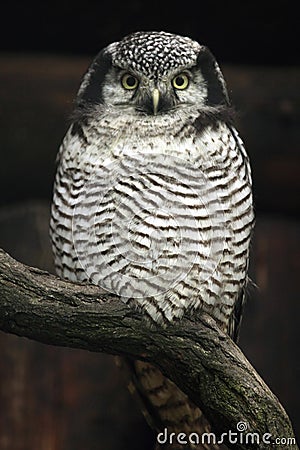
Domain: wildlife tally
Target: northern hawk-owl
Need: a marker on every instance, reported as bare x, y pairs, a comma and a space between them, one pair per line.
152, 197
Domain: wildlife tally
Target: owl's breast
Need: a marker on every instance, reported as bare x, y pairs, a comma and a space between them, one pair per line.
149, 221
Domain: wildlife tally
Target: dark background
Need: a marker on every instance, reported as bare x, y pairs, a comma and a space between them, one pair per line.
61, 399
236, 32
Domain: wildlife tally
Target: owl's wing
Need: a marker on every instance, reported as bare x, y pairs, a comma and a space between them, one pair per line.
236, 317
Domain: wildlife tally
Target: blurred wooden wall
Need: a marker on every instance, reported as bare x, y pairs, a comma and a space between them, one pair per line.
62, 399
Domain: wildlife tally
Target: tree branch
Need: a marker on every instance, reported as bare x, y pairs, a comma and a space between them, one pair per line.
202, 360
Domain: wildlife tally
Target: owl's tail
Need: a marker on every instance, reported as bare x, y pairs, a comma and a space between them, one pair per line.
169, 411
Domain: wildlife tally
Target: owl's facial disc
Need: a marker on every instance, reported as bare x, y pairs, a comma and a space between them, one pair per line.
150, 95
156, 96
152, 73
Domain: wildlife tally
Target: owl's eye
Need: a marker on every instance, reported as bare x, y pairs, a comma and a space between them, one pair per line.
181, 81
129, 81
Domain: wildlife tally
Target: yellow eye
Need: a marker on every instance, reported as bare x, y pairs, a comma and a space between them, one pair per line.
181, 81
129, 81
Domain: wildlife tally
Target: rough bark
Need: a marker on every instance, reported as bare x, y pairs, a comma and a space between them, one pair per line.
202, 360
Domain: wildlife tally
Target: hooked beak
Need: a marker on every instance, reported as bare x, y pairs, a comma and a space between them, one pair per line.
155, 100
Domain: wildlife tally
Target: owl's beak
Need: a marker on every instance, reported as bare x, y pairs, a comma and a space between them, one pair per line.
155, 100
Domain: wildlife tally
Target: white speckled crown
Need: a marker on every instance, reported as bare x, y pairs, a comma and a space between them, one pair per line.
155, 53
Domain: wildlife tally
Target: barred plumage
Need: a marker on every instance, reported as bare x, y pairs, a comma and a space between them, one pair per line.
152, 198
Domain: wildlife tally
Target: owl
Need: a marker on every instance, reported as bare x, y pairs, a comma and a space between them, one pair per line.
152, 198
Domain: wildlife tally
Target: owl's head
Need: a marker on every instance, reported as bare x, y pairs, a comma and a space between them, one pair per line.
152, 73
